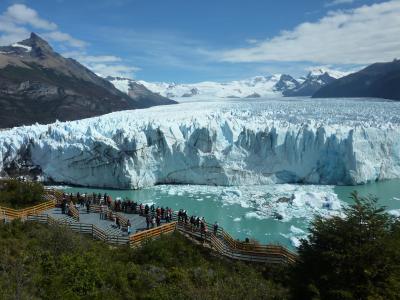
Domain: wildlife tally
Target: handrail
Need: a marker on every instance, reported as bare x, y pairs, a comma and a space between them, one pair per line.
74, 212
231, 247
137, 238
222, 242
85, 228
225, 245
23, 213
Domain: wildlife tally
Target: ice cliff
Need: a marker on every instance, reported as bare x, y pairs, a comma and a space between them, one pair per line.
230, 143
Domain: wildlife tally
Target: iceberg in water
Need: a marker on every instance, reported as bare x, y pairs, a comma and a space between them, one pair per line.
215, 143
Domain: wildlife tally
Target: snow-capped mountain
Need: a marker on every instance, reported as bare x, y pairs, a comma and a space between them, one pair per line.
259, 86
313, 82
256, 86
39, 85
379, 80
139, 92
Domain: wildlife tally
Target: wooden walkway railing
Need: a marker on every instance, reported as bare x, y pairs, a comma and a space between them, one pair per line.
223, 243
95, 208
83, 228
9, 214
139, 237
73, 211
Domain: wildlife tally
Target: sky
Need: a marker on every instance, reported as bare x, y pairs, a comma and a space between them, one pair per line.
209, 40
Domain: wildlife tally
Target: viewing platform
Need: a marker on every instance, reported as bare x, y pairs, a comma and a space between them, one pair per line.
111, 226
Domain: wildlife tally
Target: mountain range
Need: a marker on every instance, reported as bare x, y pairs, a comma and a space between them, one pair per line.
39, 85
379, 80
259, 86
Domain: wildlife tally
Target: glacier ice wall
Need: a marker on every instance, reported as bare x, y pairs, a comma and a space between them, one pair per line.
230, 143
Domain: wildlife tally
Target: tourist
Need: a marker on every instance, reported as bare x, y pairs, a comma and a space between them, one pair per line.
102, 210
128, 227
158, 211
153, 222
192, 221
148, 221
108, 201
202, 228
158, 220
63, 205
105, 197
215, 227
169, 214
88, 206
117, 223
185, 216
162, 213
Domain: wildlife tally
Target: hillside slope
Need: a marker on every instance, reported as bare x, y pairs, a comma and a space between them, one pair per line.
380, 80
39, 85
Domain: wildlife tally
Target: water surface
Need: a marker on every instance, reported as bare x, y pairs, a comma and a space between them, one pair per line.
252, 211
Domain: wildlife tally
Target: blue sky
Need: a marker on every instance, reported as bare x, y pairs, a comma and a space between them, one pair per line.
189, 41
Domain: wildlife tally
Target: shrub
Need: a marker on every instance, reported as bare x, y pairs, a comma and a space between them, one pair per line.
355, 257
18, 194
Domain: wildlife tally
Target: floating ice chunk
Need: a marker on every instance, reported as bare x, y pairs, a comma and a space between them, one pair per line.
395, 212
254, 215
237, 219
296, 230
295, 241
234, 192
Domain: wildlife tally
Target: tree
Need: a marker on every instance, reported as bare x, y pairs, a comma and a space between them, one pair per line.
20, 194
352, 257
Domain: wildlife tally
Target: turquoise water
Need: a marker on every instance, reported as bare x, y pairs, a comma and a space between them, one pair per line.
252, 211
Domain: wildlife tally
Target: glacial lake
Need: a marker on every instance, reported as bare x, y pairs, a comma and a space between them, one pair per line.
252, 211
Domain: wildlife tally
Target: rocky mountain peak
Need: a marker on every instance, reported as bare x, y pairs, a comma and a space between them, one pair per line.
40, 48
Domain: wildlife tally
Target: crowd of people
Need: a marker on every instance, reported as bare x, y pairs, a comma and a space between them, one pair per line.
154, 215
196, 223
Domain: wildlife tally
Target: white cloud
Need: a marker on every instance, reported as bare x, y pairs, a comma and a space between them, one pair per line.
16, 21
104, 65
359, 36
115, 70
339, 2
59, 36
21, 14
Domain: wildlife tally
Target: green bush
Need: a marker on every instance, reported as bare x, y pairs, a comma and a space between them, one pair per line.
18, 194
51, 262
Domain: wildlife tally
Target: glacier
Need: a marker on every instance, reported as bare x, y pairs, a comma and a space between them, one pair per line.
236, 142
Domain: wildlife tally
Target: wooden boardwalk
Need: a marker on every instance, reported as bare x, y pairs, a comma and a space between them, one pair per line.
90, 223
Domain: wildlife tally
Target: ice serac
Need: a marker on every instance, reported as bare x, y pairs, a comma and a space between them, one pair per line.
249, 143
